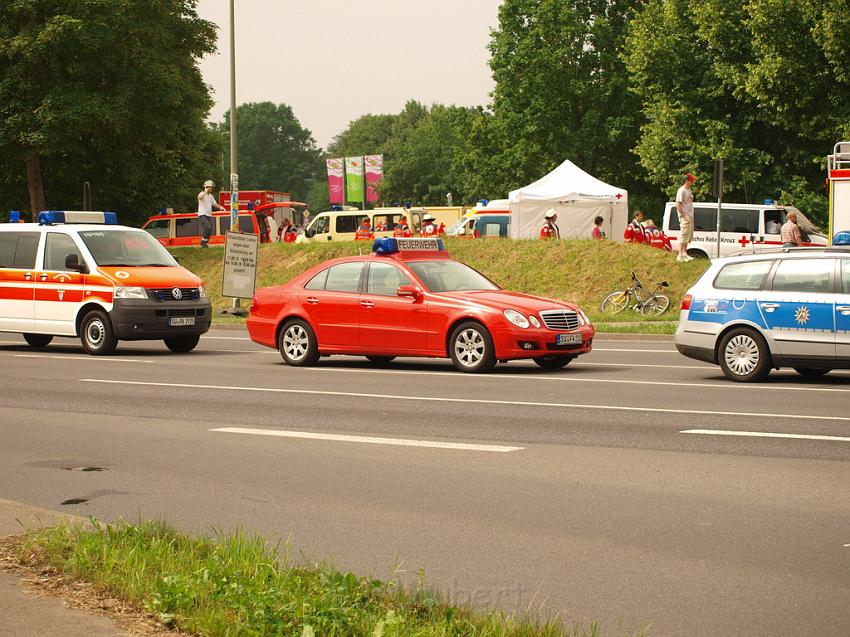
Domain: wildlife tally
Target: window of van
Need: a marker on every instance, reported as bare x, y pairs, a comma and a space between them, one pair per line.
187, 227
748, 275
322, 226
739, 220
158, 228
773, 220
804, 275
246, 224
18, 249
705, 218
348, 223
58, 247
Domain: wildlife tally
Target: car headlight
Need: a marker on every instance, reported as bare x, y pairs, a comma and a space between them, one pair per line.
582, 318
516, 318
534, 320
202, 292
122, 292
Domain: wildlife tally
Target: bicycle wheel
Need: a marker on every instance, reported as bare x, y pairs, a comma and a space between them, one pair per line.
615, 302
655, 305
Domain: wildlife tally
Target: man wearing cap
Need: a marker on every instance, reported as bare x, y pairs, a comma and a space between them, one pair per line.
206, 205
550, 229
685, 208
428, 227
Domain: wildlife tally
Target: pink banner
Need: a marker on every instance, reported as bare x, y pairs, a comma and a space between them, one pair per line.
374, 175
335, 180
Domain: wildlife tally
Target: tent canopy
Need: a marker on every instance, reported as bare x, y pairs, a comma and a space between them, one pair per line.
577, 197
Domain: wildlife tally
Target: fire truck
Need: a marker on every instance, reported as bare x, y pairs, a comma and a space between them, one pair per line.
838, 165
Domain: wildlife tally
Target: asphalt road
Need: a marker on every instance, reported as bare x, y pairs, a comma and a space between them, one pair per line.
619, 489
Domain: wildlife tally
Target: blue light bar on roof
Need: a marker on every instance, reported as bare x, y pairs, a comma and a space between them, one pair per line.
52, 217
391, 245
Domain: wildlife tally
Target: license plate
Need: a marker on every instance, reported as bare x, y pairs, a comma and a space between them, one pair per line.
568, 339
181, 320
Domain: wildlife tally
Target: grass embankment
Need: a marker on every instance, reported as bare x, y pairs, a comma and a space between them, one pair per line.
234, 585
581, 271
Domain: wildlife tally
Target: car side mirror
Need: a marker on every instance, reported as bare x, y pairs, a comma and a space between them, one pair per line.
410, 291
72, 262
310, 233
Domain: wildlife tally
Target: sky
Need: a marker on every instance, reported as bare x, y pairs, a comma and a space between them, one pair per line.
335, 60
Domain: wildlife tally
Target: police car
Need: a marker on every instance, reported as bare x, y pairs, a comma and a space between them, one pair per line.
785, 308
81, 274
409, 298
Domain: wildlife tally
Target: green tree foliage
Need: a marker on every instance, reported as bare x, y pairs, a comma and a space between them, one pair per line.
274, 151
761, 83
366, 135
106, 91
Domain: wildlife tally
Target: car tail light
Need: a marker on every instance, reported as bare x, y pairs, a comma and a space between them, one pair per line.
686, 302
254, 304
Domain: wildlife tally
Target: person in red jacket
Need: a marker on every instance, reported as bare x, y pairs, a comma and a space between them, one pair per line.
364, 232
635, 232
402, 229
286, 232
428, 227
550, 229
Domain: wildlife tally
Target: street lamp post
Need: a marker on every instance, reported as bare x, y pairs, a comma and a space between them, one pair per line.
234, 175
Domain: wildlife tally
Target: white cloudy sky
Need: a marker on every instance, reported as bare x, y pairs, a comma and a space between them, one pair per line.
335, 60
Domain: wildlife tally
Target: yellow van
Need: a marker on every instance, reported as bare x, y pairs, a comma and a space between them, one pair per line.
340, 225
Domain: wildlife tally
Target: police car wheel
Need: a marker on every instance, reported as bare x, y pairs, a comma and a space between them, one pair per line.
380, 359
182, 344
744, 356
38, 340
471, 348
812, 372
96, 334
553, 362
297, 344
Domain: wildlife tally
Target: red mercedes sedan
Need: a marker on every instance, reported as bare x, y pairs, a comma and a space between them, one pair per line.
409, 298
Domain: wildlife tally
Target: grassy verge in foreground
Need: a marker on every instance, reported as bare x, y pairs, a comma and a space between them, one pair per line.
238, 586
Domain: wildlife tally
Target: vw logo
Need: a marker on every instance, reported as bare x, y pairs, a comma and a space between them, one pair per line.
177, 294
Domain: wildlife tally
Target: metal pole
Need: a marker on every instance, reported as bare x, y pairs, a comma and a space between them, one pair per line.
234, 175
718, 191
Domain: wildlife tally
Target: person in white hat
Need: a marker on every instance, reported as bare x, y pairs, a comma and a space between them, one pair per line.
206, 205
428, 227
550, 229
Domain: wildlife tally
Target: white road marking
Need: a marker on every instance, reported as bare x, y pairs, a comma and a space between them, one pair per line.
702, 367
763, 434
400, 442
225, 338
641, 351
65, 357
473, 401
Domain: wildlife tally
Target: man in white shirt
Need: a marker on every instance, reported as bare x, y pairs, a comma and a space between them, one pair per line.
206, 205
685, 208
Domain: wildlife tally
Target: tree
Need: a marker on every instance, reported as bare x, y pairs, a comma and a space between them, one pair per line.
106, 91
366, 135
274, 151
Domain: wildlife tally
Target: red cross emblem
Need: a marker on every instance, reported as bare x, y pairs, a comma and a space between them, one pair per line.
743, 241
619, 195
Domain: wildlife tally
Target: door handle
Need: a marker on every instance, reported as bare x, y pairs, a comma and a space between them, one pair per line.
769, 307
42, 277
28, 276
312, 300
366, 304
843, 309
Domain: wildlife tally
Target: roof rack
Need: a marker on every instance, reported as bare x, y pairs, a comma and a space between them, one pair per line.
839, 249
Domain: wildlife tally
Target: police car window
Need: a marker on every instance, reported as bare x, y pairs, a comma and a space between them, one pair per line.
450, 276
187, 227
748, 275
18, 249
804, 275
344, 277
57, 248
385, 279
739, 220
705, 218
347, 223
318, 281
845, 276
126, 248
158, 228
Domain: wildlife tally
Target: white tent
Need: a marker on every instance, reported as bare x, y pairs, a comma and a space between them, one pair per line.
577, 197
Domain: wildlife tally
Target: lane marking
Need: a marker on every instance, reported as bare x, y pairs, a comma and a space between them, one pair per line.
472, 401
225, 338
642, 351
763, 434
371, 440
65, 357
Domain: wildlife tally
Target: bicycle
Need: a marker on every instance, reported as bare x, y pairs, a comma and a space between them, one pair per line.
652, 304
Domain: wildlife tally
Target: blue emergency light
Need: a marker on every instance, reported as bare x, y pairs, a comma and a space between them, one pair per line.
391, 245
841, 238
52, 217
14, 216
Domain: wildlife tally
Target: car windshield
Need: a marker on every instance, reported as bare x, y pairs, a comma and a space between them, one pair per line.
126, 248
450, 276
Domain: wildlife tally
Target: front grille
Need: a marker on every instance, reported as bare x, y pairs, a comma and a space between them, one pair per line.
167, 294
560, 319
164, 313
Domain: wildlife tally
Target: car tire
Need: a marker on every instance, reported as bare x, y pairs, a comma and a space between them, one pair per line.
96, 334
552, 361
38, 340
182, 344
471, 348
297, 344
744, 356
380, 360
812, 372
615, 302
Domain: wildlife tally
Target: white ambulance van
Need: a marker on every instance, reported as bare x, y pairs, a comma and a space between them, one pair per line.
748, 227
80, 274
